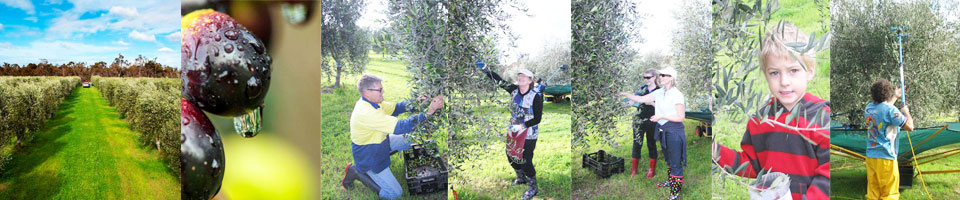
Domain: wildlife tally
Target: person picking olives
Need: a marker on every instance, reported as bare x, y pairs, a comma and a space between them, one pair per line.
376, 133
527, 109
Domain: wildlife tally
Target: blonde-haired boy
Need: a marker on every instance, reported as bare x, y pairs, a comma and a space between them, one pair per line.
789, 134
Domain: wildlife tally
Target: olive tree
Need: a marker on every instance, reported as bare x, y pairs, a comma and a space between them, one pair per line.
345, 45
865, 49
601, 51
692, 53
440, 41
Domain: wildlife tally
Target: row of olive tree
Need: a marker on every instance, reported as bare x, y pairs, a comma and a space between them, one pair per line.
600, 57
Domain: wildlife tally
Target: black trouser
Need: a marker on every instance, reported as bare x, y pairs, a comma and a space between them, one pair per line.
643, 127
527, 165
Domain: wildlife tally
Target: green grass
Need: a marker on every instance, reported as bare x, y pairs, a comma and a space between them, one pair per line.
551, 158
87, 152
588, 185
849, 178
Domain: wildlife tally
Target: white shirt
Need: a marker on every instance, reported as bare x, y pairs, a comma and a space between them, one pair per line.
665, 103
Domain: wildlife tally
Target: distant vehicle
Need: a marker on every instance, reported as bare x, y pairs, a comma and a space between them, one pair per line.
87, 84
555, 92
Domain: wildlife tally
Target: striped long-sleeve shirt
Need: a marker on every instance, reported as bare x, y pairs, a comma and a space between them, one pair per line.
801, 152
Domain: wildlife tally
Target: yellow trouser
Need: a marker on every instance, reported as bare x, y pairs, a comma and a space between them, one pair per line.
883, 179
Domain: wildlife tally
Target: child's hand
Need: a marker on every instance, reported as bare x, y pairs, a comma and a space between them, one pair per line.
905, 110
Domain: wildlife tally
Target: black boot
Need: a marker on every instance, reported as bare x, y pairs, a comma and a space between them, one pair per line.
521, 179
352, 173
532, 190
675, 187
349, 175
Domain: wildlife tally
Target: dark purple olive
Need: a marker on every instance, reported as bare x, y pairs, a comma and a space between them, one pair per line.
226, 69
201, 154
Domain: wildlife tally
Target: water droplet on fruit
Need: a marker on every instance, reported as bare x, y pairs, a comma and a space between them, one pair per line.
231, 34
239, 47
248, 125
217, 38
183, 138
228, 48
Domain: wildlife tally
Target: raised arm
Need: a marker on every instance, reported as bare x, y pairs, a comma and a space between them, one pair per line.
509, 87
645, 99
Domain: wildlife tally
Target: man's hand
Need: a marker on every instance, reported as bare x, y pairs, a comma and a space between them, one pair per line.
655, 118
435, 105
905, 110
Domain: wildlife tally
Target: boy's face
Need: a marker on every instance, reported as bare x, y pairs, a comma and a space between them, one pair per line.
786, 79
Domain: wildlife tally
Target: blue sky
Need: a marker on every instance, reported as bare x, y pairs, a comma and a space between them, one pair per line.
89, 31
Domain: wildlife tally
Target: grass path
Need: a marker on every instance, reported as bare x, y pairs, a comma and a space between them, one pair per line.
87, 152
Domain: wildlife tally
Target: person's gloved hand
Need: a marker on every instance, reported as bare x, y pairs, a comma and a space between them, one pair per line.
516, 128
480, 64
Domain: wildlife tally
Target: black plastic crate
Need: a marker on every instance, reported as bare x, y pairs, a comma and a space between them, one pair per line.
906, 177
424, 171
602, 164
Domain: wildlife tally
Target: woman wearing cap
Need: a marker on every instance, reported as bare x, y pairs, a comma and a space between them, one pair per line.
527, 109
669, 114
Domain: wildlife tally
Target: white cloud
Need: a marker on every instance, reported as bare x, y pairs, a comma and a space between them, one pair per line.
149, 17
142, 36
173, 37
33, 19
121, 11
121, 42
1, 27
166, 50
57, 52
24, 5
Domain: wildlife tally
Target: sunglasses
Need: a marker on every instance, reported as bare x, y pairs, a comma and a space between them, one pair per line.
665, 75
647, 77
378, 90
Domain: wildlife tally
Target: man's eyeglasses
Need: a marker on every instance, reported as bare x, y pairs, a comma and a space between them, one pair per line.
378, 90
664, 75
647, 77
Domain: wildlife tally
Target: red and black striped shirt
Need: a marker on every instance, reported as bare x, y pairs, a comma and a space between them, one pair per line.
801, 149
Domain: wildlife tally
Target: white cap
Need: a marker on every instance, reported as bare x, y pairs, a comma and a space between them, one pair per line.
525, 72
669, 71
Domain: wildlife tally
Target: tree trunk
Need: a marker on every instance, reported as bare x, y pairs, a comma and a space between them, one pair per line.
336, 84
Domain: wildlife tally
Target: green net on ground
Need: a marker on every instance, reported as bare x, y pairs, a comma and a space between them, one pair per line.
923, 139
700, 116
